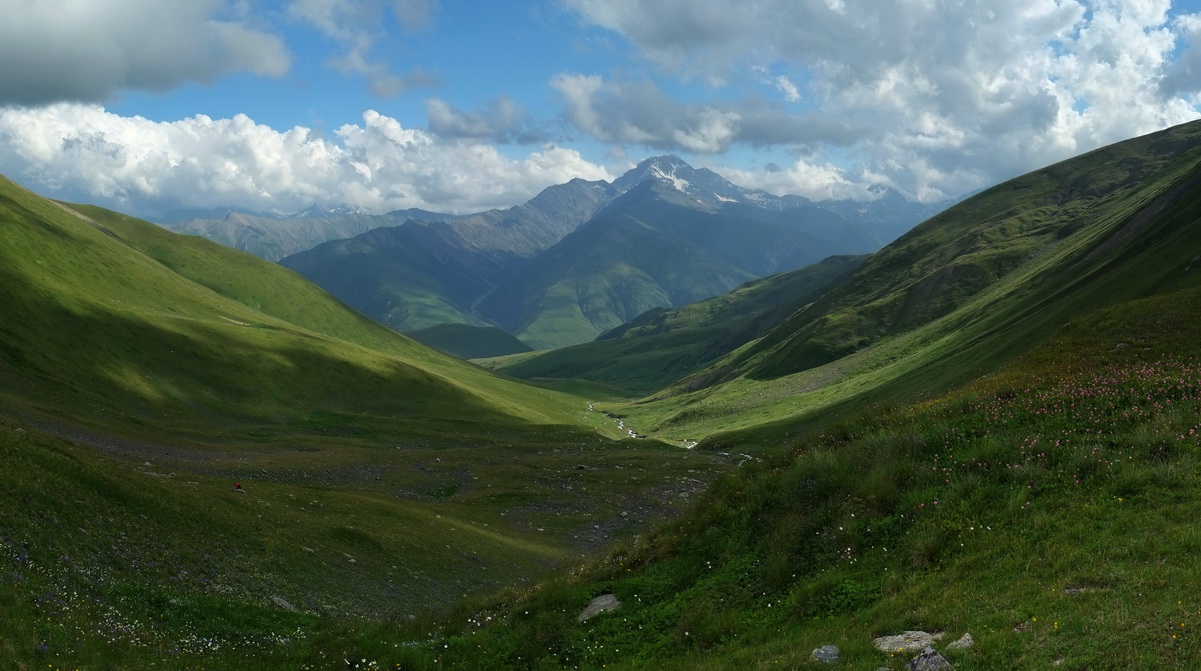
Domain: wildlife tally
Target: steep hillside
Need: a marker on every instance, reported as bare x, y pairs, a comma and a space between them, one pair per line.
660, 346
968, 290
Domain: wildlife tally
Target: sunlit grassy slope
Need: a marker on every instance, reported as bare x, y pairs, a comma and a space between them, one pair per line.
142, 373
960, 294
112, 319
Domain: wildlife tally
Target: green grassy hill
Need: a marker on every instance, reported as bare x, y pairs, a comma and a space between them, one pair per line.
660, 346
142, 373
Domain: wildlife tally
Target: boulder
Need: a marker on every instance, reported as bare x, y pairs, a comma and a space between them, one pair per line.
929, 660
827, 654
601, 604
906, 641
280, 602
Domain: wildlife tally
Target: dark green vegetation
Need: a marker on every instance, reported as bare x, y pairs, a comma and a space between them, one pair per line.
469, 342
584, 257
142, 373
660, 346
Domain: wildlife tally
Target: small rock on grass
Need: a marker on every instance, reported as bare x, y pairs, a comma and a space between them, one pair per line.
827, 654
929, 660
601, 604
281, 603
966, 641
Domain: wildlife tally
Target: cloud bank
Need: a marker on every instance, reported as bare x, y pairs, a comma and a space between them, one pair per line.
86, 51
76, 151
937, 98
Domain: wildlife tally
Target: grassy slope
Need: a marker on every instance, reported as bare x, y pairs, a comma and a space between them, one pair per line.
1046, 509
174, 367
1045, 262
662, 346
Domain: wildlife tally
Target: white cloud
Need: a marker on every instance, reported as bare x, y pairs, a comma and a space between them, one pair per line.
937, 97
785, 86
502, 120
639, 113
357, 26
83, 152
86, 51
813, 181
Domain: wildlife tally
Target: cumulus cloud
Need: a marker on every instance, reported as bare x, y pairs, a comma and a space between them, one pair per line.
640, 113
357, 26
503, 120
83, 152
86, 51
941, 97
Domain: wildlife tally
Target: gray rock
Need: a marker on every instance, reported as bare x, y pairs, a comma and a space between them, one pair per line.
281, 603
601, 604
929, 660
906, 641
966, 641
827, 654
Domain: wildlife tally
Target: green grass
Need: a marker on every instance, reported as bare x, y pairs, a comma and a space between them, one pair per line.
147, 372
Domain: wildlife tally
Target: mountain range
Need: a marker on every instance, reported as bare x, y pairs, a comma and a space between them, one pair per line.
584, 257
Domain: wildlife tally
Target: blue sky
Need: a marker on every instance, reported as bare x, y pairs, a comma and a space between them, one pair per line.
147, 105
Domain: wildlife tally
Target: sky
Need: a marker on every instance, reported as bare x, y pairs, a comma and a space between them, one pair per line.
149, 106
